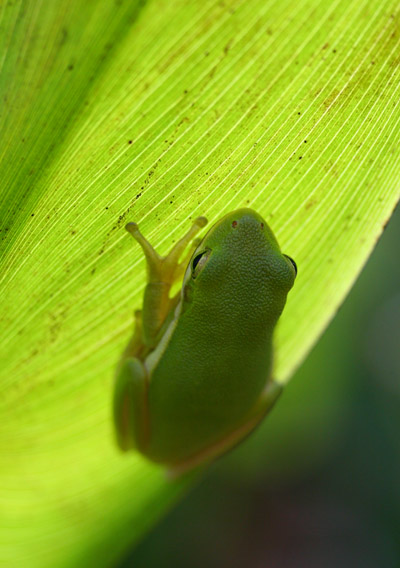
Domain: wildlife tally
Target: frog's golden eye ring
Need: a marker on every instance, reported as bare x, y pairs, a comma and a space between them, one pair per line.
292, 262
199, 262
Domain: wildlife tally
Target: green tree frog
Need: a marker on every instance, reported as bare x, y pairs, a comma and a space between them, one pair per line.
196, 376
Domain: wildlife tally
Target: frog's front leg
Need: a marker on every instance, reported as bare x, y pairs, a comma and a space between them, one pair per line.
130, 405
163, 271
135, 347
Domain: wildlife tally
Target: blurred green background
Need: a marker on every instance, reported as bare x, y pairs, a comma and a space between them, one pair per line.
318, 485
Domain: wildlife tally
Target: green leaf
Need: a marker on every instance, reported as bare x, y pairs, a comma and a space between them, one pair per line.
156, 112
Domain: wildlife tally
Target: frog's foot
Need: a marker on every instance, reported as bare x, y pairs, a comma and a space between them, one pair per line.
166, 269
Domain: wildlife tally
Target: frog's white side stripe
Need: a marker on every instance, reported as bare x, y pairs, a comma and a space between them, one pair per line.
153, 358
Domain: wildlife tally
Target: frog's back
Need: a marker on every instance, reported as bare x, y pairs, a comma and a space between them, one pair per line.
218, 359
216, 379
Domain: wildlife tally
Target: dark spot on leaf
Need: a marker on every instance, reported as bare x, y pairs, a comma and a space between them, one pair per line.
228, 46
311, 203
64, 35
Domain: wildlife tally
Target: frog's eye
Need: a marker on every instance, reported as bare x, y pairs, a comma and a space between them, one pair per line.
199, 262
292, 263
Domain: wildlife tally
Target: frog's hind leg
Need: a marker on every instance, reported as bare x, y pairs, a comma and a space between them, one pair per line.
130, 406
263, 406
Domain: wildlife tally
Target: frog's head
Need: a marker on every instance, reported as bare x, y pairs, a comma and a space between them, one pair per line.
239, 261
